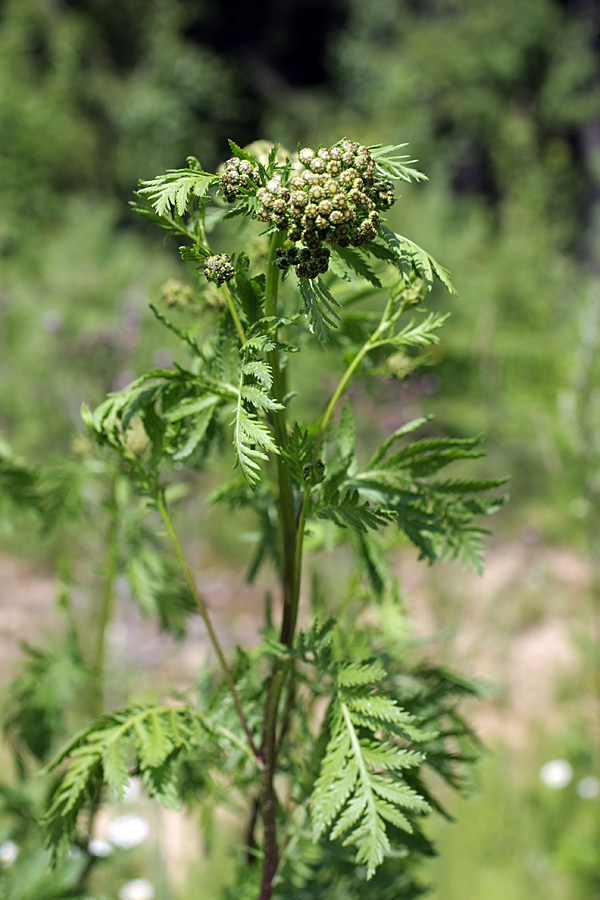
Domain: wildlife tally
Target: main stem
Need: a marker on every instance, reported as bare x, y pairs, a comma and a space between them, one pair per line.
291, 541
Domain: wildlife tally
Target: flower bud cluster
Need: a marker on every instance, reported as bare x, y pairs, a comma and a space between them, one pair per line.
219, 268
238, 175
335, 199
309, 263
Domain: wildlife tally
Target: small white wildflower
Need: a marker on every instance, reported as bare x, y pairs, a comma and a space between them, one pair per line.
8, 853
138, 889
588, 788
556, 773
127, 831
98, 847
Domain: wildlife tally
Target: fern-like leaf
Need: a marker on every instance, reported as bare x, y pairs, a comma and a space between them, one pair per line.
436, 514
346, 510
319, 306
360, 789
391, 164
422, 334
144, 740
252, 438
408, 256
172, 191
345, 258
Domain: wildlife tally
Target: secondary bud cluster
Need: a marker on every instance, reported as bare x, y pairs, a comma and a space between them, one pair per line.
219, 268
238, 175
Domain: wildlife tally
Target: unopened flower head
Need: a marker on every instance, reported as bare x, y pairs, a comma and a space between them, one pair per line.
238, 176
219, 268
335, 198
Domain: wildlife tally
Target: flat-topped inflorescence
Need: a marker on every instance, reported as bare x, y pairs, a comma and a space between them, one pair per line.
334, 198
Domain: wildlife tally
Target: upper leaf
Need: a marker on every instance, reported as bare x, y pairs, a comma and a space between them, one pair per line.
319, 306
408, 256
172, 191
391, 164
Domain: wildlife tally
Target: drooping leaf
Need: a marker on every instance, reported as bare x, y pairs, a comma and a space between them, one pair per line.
320, 307
408, 256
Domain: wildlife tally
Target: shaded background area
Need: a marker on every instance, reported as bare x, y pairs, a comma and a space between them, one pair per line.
501, 105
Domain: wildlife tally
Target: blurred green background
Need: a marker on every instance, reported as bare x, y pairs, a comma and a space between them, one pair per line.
500, 102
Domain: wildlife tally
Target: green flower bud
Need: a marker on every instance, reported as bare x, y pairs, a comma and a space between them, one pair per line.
219, 268
299, 199
305, 155
237, 176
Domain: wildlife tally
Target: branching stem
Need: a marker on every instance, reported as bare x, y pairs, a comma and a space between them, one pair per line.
233, 313
161, 506
372, 341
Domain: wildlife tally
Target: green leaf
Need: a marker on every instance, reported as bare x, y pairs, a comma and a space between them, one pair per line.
252, 438
398, 433
408, 256
115, 758
355, 260
248, 291
359, 674
346, 511
252, 441
173, 190
422, 334
319, 306
361, 788
391, 164
147, 739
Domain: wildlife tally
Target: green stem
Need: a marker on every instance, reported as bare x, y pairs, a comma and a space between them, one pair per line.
200, 238
287, 515
234, 313
206, 619
371, 342
290, 579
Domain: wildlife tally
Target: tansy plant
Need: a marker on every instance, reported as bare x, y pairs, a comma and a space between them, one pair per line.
327, 735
